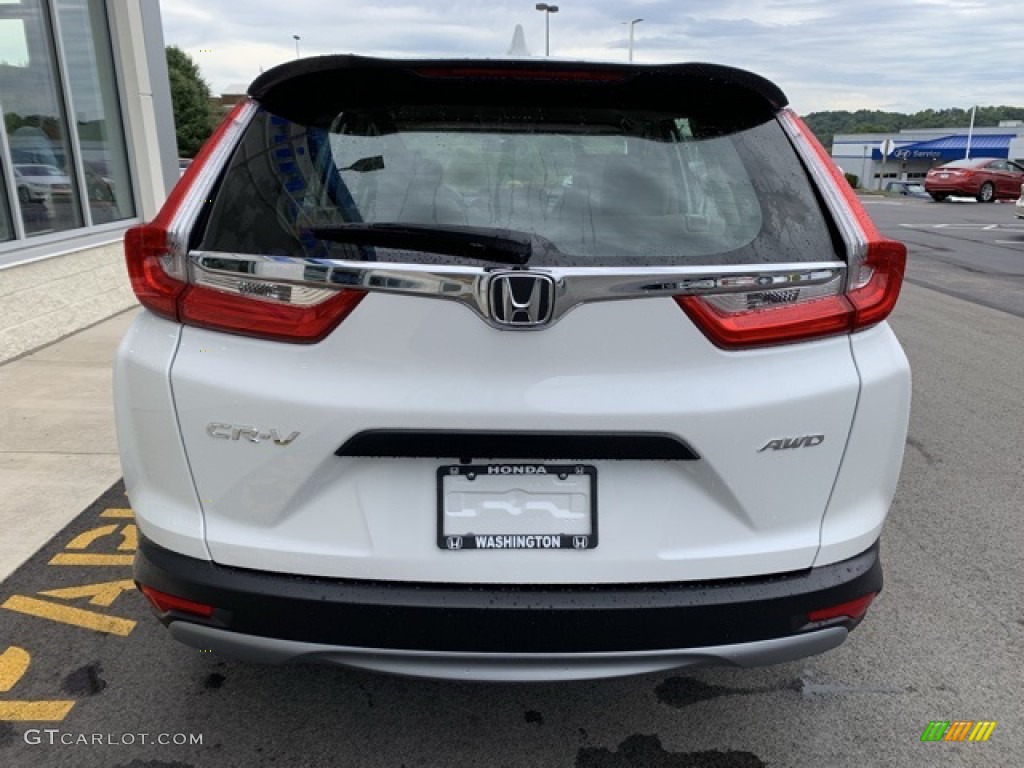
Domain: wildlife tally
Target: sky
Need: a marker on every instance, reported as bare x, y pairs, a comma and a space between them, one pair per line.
893, 55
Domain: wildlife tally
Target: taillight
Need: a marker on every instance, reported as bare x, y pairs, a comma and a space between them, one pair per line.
165, 283
156, 273
265, 318
792, 312
874, 291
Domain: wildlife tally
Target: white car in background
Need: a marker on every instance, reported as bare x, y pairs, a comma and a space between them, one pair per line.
30, 188
48, 177
511, 370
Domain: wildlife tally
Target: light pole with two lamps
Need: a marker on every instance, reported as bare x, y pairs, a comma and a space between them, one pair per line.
548, 10
297, 38
632, 24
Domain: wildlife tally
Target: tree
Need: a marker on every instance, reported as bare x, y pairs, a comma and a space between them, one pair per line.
190, 95
825, 125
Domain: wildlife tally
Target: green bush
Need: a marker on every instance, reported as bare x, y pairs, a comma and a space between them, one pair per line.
853, 178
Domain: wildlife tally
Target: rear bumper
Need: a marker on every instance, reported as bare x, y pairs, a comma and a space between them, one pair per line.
507, 667
499, 632
956, 188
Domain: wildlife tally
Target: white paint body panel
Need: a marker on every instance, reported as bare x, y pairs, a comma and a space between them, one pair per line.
412, 363
871, 467
156, 471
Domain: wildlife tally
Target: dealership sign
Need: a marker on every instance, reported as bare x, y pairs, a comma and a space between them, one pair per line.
917, 154
909, 153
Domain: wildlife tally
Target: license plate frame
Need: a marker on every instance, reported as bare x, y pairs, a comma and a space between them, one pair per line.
548, 540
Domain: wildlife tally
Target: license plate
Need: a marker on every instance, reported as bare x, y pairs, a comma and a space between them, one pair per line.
516, 506
943, 175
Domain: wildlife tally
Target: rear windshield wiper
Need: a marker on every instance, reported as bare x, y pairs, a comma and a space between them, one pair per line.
504, 246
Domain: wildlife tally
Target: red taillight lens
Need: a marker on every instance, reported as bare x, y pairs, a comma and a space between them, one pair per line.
159, 276
148, 258
164, 603
874, 285
771, 325
853, 609
218, 310
875, 296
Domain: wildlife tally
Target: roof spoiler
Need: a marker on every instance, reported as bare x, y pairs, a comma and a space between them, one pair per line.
308, 90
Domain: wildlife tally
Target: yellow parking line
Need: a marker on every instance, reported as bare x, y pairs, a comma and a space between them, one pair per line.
130, 534
119, 513
101, 594
83, 540
13, 665
72, 558
65, 614
35, 711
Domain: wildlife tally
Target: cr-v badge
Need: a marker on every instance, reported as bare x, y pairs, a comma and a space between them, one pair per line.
252, 434
785, 443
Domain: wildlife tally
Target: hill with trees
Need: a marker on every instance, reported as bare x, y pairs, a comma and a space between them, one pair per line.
825, 125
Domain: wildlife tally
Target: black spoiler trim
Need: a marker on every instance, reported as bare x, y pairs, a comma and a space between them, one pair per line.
305, 89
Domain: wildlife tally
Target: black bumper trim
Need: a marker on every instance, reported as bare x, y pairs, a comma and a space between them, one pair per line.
507, 619
464, 444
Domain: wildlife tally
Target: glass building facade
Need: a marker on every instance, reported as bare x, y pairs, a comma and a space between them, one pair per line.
64, 159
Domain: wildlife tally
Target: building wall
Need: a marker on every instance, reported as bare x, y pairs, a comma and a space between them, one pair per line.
49, 299
1017, 150
104, 115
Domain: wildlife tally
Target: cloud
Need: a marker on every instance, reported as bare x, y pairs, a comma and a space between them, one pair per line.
904, 56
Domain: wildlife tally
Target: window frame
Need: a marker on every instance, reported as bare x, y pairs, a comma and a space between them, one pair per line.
25, 248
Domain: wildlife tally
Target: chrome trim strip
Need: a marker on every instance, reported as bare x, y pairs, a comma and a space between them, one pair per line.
11, 185
849, 229
470, 285
502, 667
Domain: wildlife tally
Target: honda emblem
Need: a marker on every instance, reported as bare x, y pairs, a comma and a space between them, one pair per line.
521, 299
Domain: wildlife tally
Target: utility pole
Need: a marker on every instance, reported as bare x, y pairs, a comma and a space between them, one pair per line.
970, 132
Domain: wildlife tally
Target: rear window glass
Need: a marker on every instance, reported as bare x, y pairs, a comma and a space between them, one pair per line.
605, 187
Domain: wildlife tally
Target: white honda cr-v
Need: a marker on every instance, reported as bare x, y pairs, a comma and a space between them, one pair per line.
521, 370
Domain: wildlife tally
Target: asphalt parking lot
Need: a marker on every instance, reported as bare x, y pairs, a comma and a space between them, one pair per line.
89, 678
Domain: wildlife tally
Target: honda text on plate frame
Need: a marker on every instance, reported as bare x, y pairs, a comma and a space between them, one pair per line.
501, 370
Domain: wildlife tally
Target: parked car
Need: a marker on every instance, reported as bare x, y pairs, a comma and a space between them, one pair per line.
410, 396
905, 189
986, 179
30, 190
1020, 203
54, 180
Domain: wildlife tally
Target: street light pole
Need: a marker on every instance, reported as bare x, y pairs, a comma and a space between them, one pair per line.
548, 10
632, 24
297, 38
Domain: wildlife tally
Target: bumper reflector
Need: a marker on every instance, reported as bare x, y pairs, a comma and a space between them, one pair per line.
164, 603
853, 609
